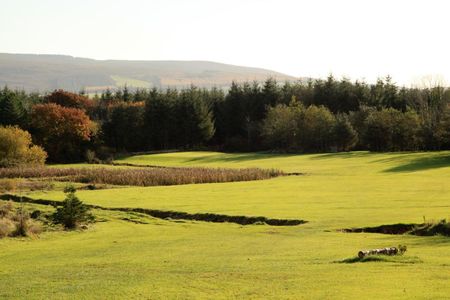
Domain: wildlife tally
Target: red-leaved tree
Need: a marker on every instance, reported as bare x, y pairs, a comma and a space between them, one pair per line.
62, 131
68, 99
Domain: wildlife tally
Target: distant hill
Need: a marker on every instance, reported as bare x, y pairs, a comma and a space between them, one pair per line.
33, 72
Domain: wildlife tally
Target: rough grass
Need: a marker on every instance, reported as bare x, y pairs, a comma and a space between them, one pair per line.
141, 176
16, 221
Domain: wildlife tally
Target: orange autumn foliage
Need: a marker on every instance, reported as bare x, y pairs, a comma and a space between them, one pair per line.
61, 130
68, 99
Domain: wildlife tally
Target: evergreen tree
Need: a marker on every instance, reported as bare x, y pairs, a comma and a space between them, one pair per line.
123, 129
73, 211
11, 110
159, 119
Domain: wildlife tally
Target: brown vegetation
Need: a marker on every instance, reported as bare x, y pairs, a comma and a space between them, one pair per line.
16, 222
13, 184
61, 130
141, 176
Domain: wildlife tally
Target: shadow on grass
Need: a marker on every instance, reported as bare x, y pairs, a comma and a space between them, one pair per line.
352, 154
224, 157
379, 258
431, 160
240, 157
405, 163
422, 163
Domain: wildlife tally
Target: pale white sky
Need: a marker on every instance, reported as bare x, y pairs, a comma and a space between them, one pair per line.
355, 38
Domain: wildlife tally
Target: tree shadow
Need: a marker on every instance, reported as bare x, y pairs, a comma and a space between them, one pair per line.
422, 164
354, 154
357, 259
239, 157
404, 161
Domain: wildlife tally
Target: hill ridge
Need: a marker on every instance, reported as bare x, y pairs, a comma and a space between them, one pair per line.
46, 72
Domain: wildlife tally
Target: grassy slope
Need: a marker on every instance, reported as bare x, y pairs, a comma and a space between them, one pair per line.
193, 260
130, 82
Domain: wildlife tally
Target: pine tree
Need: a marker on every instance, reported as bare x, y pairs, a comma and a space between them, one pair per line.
73, 211
11, 112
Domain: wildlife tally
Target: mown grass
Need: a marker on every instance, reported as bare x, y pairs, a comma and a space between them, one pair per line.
195, 260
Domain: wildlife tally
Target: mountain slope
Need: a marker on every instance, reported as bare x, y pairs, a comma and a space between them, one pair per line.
48, 72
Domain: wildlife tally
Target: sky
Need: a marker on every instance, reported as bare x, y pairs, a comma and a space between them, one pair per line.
358, 39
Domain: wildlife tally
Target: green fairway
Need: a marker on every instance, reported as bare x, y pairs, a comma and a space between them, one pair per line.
189, 260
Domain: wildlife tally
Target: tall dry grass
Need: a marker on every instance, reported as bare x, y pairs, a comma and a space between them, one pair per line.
141, 176
17, 222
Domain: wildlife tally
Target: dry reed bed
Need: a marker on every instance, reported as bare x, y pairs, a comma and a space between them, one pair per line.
141, 177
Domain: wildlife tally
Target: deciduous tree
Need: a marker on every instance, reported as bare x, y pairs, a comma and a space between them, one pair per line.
62, 131
16, 148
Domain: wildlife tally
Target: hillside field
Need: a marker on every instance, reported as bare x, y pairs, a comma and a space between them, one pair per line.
180, 259
46, 72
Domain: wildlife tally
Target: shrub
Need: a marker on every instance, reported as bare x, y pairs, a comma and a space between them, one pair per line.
90, 157
17, 222
7, 227
22, 222
6, 208
16, 148
73, 211
34, 227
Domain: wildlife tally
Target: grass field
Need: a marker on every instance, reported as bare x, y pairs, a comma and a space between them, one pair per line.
190, 260
130, 82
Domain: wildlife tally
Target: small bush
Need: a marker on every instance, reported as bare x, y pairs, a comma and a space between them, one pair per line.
17, 222
433, 228
7, 227
90, 157
34, 227
72, 212
402, 249
22, 223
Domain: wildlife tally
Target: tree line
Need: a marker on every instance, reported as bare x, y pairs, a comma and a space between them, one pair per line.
310, 116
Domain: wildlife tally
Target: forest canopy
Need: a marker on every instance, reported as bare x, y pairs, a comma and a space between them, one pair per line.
305, 116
